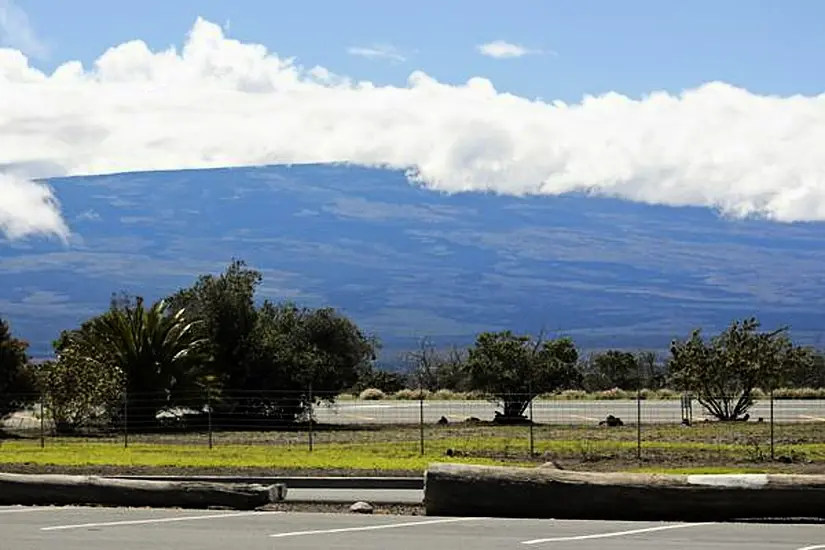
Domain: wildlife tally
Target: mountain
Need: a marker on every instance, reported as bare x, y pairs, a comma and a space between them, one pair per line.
407, 262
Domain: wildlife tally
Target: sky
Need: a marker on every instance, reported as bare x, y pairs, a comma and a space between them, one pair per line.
710, 104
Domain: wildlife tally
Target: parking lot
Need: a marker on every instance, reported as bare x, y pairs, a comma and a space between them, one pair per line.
77, 528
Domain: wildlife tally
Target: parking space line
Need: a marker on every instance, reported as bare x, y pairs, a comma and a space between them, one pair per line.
153, 520
615, 533
369, 527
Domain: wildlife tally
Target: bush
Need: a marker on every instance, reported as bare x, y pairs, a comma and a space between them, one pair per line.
372, 394
411, 395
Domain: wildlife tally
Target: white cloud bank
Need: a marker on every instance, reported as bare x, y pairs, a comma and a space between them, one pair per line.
499, 49
219, 102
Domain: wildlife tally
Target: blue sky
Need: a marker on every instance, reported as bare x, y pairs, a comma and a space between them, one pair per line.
633, 47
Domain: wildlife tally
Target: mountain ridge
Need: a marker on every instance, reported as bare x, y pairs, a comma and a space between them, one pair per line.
407, 262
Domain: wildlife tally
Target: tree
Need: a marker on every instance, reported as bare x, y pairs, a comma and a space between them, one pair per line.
515, 369
224, 306
78, 392
611, 369
156, 351
433, 369
302, 350
724, 371
16, 384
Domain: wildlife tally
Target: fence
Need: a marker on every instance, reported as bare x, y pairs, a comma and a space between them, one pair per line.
660, 431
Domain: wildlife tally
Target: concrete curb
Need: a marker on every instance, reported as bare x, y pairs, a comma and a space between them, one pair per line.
488, 491
67, 490
343, 482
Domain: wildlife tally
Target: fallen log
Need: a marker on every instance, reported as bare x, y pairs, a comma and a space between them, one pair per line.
64, 490
487, 491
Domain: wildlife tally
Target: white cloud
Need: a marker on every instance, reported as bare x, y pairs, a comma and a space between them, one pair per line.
377, 51
16, 30
28, 208
219, 102
499, 49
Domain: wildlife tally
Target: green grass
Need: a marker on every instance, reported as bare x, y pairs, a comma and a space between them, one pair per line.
705, 445
336, 456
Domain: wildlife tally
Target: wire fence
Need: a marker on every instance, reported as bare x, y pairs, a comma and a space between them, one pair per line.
676, 431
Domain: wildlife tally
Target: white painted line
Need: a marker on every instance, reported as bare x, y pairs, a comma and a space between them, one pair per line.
744, 481
150, 521
817, 547
25, 510
615, 533
369, 527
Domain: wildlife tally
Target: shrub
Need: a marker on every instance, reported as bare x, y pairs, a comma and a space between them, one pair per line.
371, 394
411, 395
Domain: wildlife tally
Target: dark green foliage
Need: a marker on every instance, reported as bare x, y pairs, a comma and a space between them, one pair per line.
724, 371
16, 381
515, 369
270, 358
155, 353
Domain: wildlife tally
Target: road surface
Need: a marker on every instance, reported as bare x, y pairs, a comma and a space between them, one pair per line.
143, 529
544, 412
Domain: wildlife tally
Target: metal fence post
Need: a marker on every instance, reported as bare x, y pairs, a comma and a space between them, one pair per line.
773, 454
125, 418
209, 414
42, 421
532, 440
421, 418
311, 404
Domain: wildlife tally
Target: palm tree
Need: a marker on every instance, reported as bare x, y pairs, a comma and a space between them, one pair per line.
157, 352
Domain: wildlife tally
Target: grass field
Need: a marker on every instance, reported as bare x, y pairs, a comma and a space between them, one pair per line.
710, 447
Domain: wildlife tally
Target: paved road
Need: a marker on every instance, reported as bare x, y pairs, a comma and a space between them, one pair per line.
551, 412
141, 529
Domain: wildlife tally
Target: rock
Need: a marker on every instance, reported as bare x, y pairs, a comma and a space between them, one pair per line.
443, 421
361, 508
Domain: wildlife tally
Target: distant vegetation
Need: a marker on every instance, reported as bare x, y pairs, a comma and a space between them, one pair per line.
212, 347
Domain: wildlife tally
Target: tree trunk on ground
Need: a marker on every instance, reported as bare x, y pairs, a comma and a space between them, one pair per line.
483, 491
65, 490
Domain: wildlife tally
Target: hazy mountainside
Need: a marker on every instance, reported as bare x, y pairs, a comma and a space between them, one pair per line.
406, 262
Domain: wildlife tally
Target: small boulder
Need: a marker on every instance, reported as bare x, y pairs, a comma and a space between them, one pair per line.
361, 508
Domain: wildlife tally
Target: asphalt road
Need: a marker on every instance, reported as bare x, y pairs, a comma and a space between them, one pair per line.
552, 412
545, 412
142, 529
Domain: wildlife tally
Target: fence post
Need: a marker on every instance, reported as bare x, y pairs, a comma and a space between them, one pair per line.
639, 414
311, 405
532, 440
773, 455
125, 418
421, 418
42, 421
209, 414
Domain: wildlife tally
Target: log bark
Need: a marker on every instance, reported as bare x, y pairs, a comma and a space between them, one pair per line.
65, 490
464, 490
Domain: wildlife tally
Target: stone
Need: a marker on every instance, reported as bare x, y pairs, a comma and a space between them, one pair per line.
361, 508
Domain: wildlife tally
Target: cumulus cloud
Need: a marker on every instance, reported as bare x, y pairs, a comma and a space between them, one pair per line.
377, 51
16, 30
28, 208
219, 102
499, 49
